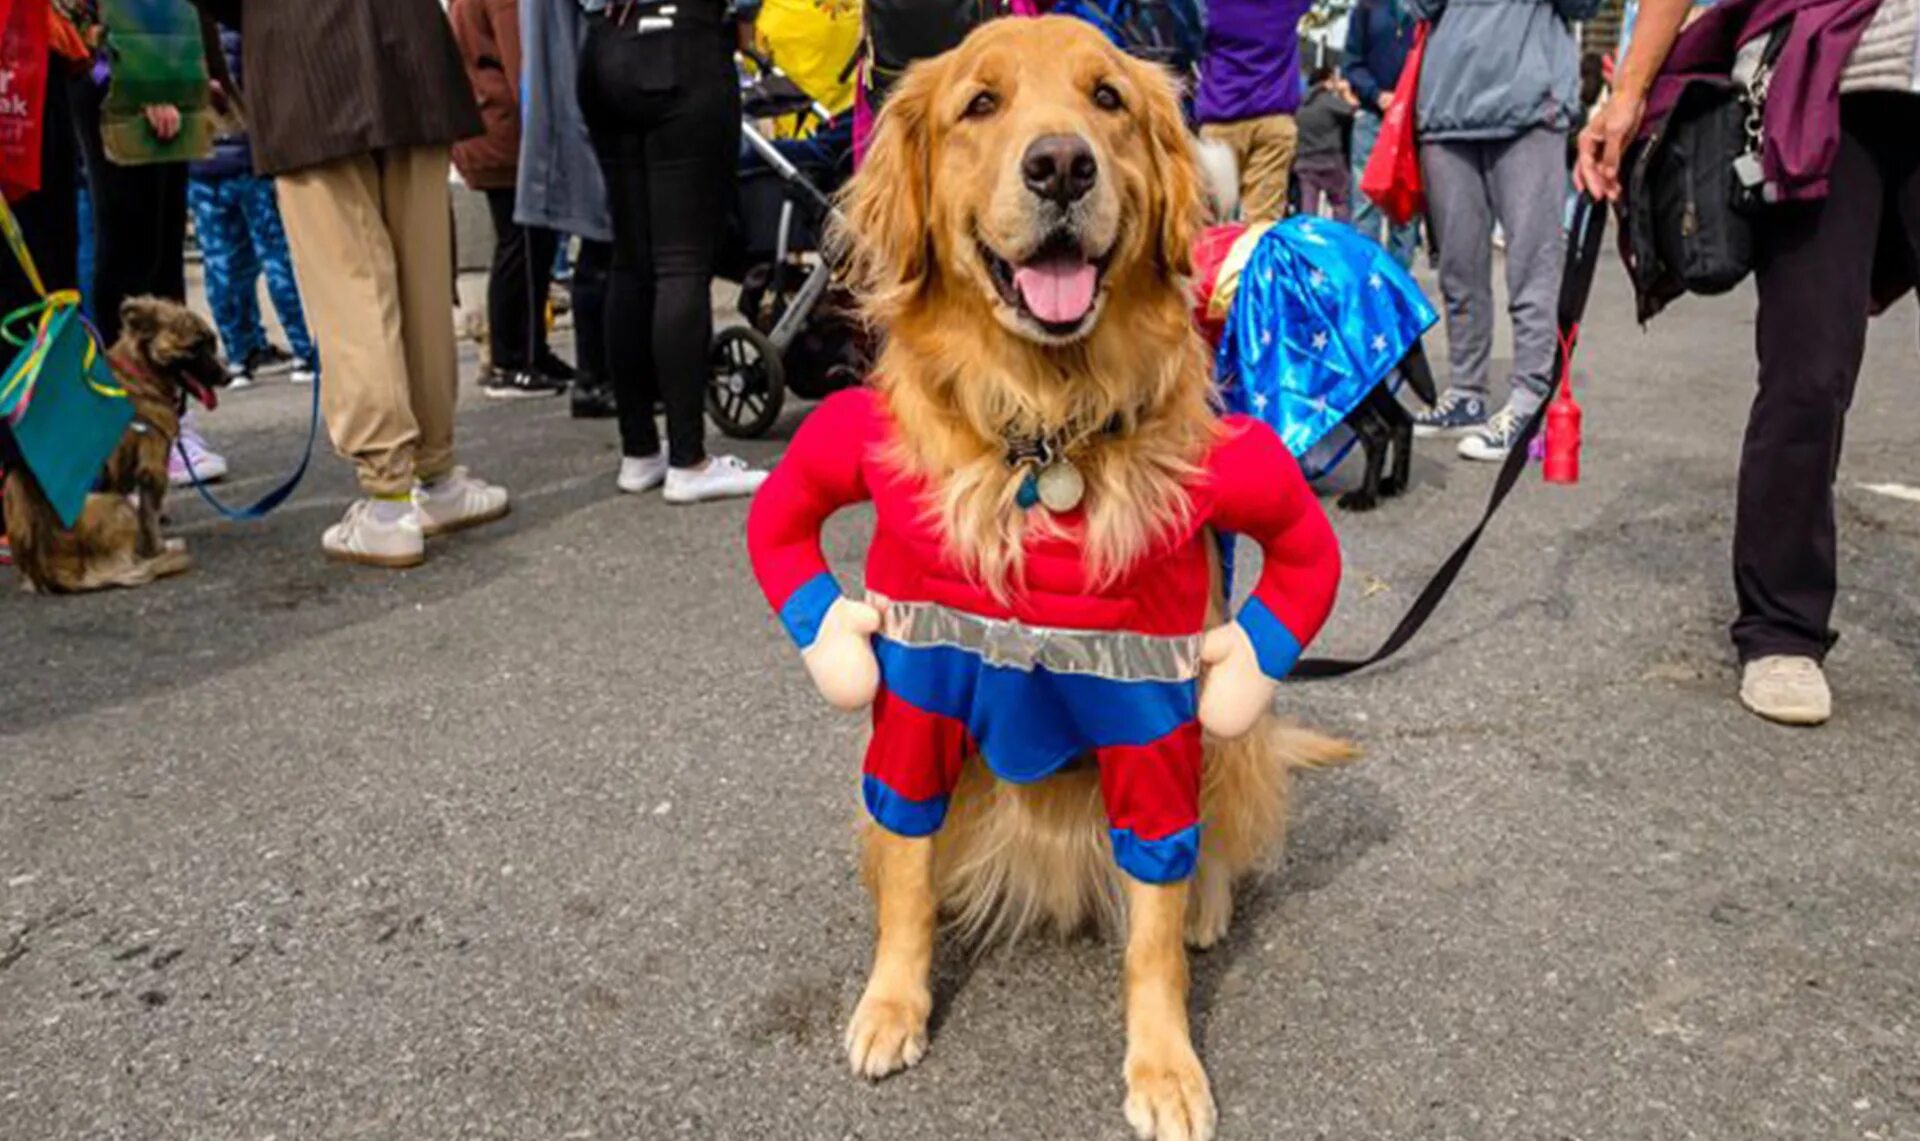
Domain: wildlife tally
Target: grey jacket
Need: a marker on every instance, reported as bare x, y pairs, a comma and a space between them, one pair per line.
561, 187
1496, 69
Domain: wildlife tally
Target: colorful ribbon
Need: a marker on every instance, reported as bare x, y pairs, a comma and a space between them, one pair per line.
18, 393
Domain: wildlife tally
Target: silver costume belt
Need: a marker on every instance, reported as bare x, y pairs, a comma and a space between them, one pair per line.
1114, 654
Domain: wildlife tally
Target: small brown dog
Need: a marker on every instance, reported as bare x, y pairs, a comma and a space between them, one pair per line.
944, 219
165, 354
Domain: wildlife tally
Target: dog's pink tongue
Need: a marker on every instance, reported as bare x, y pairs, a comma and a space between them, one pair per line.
1059, 291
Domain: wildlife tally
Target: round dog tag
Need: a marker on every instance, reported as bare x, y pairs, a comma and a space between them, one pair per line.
1061, 487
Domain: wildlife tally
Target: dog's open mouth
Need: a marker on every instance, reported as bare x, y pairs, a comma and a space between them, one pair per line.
205, 394
1056, 288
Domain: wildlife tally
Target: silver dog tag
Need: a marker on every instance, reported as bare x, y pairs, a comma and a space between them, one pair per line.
1061, 487
1748, 170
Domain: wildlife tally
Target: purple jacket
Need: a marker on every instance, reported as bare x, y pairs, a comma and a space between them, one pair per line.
1251, 64
1802, 120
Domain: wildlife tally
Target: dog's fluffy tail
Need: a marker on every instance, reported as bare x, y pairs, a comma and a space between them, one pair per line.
1220, 174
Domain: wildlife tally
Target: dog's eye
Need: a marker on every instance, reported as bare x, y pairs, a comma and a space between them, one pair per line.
982, 105
1107, 98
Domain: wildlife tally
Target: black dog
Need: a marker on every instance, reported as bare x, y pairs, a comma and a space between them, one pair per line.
1385, 431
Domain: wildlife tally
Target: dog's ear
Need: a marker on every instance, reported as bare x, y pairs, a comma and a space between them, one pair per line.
887, 202
1181, 205
141, 318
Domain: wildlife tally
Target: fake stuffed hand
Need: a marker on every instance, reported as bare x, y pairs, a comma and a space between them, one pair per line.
1236, 693
840, 661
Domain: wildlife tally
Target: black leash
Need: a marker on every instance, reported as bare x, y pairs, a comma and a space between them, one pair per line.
1576, 285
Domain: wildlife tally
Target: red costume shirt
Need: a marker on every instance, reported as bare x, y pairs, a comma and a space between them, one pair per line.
1066, 667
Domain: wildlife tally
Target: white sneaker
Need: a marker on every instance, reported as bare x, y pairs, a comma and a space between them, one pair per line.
457, 501
364, 537
724, 477
1786, 689
208, 464
303, 372
642, 474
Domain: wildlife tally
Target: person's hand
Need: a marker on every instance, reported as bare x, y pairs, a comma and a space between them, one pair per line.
1235, 694
1386, 101
841, 661
163, 119
217, 96
1604, 141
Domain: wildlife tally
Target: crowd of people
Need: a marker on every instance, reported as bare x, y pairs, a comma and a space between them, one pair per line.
616, 125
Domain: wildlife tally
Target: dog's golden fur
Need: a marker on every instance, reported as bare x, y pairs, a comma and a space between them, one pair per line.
117, 542
939, 197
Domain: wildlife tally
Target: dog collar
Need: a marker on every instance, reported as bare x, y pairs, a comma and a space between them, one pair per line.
1051, 480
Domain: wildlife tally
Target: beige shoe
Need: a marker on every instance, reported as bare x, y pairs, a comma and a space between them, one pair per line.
361, 538
457, 501
1787, 689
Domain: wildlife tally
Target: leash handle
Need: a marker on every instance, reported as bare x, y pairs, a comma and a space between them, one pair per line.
265, 505
1576, 287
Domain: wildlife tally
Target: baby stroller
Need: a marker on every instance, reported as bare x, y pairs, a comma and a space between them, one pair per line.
801, 333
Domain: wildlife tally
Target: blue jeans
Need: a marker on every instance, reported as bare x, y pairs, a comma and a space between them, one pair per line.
1402, 241
238, 224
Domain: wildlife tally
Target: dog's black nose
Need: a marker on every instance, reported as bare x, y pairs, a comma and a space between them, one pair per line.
1060, 167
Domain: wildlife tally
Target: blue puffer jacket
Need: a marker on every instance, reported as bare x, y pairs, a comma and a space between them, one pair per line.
232, 154
1496, 69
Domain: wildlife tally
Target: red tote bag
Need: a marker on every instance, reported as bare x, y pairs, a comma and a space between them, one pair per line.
1392, 177
23, 90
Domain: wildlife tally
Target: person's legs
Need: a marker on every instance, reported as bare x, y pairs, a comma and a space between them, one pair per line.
1462, 214
1526, 177
690, 173
1813, 265
414, 200
270, 247
226, 255
1270, 146
592, 386
1367, 217
344, 258
1312, 184
630, 290
510, 302
140, 219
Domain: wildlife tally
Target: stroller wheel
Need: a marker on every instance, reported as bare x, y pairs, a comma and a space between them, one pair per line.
746, 382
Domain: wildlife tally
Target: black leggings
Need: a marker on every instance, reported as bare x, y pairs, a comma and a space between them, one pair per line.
664, 112
517, 287
590, 271
139, 219
1814, 264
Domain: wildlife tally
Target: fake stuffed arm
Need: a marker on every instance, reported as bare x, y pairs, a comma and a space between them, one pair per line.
1260, 493
820, 474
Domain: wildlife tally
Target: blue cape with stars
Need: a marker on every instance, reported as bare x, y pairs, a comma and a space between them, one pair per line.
1321, 315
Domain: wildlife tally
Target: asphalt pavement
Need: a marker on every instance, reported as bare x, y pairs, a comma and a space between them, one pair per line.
549, 839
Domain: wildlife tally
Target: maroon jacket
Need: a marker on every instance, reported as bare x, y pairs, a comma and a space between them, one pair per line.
488, 32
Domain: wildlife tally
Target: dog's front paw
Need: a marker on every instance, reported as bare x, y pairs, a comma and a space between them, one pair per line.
887, 1034
1168, 1096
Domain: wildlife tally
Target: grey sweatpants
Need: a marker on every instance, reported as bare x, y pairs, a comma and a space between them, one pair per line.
1522, 184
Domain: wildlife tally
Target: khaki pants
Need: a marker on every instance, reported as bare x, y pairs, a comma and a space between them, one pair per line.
1264, 149
373, 253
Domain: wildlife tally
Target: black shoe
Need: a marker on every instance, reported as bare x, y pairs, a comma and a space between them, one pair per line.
268, 358
519, 384
553, 366
593, 400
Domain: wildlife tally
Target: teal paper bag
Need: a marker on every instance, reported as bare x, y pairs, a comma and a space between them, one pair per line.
64, 408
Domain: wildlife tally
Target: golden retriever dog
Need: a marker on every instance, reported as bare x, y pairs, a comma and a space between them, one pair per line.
165, 353
1036, 143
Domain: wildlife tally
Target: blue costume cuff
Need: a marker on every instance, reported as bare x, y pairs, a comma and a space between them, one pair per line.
1273, 643
897, 814
1169, 859
807, 607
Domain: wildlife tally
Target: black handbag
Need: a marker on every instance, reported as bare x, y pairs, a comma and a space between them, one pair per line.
1694, 187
